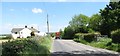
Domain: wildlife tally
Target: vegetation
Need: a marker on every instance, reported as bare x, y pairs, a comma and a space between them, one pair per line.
116, 36
39, 46
94, 23
68, 33
52, 34
6, 36
107, 22
79, 23
105, 43
110, 18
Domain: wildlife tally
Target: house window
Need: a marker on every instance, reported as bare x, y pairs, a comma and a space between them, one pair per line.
15, 32
21, 32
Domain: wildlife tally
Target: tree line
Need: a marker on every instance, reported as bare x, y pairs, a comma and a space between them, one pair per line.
106, 21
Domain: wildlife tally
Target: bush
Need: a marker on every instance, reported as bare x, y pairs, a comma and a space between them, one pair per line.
89, 37
21, 47
80, 40
115, 36
79, 35
90, 30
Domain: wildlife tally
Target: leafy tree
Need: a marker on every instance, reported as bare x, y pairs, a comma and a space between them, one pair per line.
68, 33
79, 23
110, 18
95, 22
61, 33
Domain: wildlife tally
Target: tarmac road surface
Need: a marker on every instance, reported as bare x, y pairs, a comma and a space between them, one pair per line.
70, 48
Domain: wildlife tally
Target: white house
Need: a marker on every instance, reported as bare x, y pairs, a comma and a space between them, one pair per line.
41, 34
23, 32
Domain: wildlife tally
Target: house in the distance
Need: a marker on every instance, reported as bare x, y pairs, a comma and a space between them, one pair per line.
23, 32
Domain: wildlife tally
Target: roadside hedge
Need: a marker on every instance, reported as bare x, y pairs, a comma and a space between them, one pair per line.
27, 47
89, 37
79, 35
115, 35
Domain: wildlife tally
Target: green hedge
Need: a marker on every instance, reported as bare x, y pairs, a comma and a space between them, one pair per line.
27, 47
89, 37
115, 36
79, 35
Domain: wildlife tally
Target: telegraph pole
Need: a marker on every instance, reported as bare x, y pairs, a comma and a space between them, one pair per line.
47, 24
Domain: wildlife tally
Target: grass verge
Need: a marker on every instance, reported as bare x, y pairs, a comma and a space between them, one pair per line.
105, 43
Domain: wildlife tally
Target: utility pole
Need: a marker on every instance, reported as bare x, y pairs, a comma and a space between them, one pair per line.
47, 24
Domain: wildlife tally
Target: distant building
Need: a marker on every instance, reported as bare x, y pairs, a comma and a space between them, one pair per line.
23, 32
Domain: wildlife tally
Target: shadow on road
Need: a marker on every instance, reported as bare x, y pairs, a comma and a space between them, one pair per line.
82, 53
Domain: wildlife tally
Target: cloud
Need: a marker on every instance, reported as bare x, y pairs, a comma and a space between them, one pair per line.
37, 10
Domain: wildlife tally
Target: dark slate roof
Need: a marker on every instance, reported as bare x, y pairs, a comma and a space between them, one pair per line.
19, 29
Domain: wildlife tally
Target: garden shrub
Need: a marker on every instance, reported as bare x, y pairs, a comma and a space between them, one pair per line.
115, 36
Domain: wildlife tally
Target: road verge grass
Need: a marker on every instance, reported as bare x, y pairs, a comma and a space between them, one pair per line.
105, 43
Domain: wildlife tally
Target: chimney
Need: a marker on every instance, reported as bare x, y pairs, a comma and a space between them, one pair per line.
25, 26
31, 27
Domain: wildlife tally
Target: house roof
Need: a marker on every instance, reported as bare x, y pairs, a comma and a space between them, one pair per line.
33, 29
19, 29
16, 29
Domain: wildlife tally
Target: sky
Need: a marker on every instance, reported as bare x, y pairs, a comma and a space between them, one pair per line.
34, 14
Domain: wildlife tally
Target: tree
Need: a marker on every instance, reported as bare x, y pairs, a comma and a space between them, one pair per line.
68, 33
110, 18
79, 23
95, 22
61, 32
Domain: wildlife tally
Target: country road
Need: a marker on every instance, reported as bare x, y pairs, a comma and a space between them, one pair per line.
69, 47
